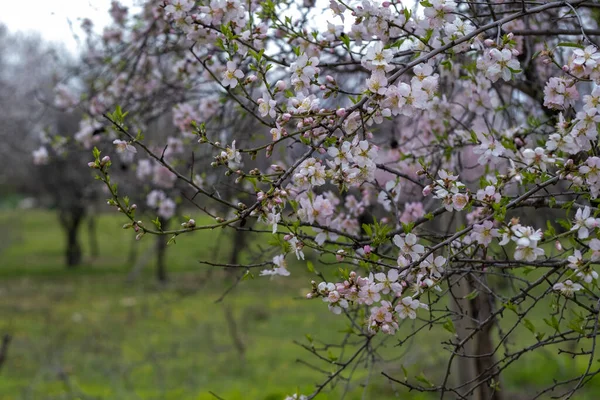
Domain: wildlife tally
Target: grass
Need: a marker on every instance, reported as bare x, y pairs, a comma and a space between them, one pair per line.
88, 334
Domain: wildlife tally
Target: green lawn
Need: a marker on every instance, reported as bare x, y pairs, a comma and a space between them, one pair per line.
89, 334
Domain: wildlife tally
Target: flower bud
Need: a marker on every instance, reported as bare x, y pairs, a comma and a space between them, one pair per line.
280, 85
340, 112
427, 190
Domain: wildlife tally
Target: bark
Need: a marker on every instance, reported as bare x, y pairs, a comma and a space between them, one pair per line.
476, 364
4, 349
161, 250
70, 220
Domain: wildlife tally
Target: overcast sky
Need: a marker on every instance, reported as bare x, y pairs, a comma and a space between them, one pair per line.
51, 17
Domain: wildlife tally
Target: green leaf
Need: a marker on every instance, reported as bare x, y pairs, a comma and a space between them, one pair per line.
570, 44
423, 379
397, 43
344, 274
510, 306
248, 275
472, 295
346, 40
577, 326
550, 232
405, 372
449, 326
310, 266
331, 356
529, 325
407, 228
552, 323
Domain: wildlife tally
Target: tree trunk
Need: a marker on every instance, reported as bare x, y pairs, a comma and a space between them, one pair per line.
476, 358
73, 248
4, 349
70, 220
239, 241
161, 250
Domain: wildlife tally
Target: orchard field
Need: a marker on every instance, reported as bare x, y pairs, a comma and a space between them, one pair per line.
89, 333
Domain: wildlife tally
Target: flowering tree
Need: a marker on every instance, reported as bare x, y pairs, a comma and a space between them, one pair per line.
409, 143
29, 69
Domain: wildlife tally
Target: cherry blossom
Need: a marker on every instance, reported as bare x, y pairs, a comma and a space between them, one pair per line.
583, 223
567, 288
279, 269
497, 64
407, 307
408, 245
484, 233
231, 75
40, 156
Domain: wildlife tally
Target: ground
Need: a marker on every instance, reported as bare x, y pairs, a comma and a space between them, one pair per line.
88, 333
